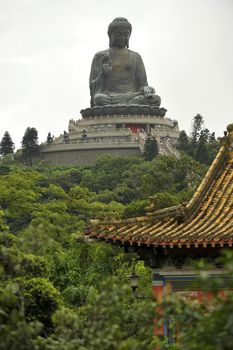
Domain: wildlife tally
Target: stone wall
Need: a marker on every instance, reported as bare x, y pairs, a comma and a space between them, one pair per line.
84, 156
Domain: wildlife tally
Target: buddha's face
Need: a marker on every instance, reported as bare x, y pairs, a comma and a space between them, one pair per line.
120, 37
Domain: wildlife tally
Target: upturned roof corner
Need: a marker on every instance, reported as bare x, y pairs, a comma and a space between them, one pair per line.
206, 220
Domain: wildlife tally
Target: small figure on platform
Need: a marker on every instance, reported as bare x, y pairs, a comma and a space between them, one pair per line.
50, 139
66, 138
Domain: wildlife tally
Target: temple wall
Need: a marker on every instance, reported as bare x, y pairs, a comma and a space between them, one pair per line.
84, 156
118, 135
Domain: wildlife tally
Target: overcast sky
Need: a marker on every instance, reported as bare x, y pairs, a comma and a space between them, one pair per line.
46, 49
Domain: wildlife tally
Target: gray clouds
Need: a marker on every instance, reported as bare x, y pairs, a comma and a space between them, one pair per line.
46, 49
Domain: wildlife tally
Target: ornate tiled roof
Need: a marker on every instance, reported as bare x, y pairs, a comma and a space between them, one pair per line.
207, 220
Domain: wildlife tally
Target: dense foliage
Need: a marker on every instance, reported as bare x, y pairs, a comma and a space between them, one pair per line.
201, 145
57, 292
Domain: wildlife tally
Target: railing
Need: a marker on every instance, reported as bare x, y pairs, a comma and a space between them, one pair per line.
165, 133
130, 139
171, 149
116, 118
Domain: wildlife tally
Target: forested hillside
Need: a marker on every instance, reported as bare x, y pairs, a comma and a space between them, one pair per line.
45, 267
58, 292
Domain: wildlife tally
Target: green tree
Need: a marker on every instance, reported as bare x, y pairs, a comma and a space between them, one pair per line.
30, 147
19, 194
212, 149
201, 145
15, 332
206, 147
197, 124
183, 142
151, 148
41, 300
47, 209
7, 145
165, 200
201, 151
135, 208
113, 320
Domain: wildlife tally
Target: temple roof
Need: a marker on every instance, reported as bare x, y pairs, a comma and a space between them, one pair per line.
207, 220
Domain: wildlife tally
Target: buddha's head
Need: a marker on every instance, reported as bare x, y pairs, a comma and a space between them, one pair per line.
119, 31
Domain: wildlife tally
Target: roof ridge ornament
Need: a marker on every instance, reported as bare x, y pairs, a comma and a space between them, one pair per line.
227, 139
230, 128
230, 136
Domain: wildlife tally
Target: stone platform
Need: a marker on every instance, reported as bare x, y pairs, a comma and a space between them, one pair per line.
115, 134
110, 110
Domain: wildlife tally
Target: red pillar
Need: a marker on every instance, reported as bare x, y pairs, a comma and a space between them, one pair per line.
158, 291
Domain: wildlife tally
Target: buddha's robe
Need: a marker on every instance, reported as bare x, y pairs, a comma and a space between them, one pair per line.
123, 84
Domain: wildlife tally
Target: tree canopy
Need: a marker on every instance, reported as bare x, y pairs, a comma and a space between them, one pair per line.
6, 145
151, 148
58, 292
30, 146
201, 144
